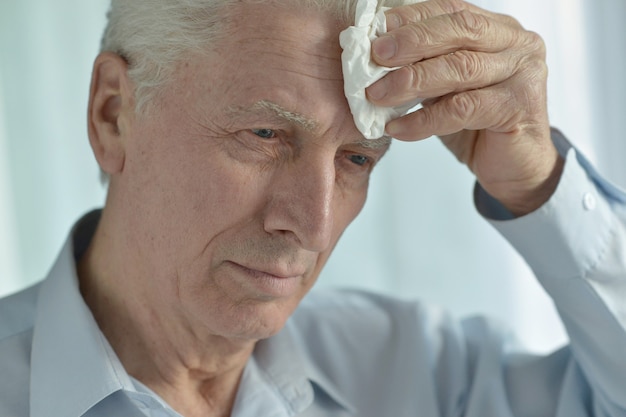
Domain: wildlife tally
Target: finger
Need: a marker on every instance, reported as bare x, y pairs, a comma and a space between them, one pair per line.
496, 108
448, 115
442, 75
442, 35
412, 13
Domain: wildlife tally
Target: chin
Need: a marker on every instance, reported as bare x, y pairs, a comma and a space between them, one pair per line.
253, 321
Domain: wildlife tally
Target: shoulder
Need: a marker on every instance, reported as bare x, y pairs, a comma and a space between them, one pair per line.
351, 320
354, 319
362, 340
15, 370
17, 314
341, 306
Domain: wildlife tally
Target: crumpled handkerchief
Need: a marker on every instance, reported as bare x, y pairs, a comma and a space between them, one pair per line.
359, 71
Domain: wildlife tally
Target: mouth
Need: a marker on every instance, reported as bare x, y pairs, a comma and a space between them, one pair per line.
272, 282
269, 272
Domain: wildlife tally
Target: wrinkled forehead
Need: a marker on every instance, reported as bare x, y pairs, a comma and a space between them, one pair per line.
306, 37
286, 58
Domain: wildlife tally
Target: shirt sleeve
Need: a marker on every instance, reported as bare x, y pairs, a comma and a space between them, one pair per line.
576, 246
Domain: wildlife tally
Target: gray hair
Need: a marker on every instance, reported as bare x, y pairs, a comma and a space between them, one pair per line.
154, 35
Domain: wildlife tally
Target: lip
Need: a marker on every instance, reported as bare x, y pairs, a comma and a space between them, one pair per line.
266, 281
274, 273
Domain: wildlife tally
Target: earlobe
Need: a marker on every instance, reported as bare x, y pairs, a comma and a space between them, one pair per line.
110, 108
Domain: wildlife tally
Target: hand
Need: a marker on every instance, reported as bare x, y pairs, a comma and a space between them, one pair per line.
483, 78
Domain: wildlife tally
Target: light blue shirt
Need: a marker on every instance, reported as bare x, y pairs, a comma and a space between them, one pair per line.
352, 353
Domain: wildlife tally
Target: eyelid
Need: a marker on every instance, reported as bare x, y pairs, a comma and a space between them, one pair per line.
374, 154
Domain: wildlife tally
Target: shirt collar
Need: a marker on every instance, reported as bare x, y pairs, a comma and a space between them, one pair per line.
73, 367
295, 375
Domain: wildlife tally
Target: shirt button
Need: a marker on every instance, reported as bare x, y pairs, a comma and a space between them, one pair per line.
589, 201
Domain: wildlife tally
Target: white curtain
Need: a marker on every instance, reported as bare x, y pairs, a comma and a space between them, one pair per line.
418, 237
46, 50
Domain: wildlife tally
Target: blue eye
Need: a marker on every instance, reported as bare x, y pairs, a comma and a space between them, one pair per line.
359, 160
264, 133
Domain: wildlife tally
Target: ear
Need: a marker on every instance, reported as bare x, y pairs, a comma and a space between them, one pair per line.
111, 108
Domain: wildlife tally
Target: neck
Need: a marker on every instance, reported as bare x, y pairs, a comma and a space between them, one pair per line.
195, 372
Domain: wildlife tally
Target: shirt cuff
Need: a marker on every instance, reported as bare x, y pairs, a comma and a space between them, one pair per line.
567, 236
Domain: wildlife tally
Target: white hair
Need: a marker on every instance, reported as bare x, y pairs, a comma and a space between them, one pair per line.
154, 35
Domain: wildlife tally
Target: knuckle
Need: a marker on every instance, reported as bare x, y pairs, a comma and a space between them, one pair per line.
418, 77
523, 99
419, 35
473, 25
510, 21
537, 43
417, 15
464, 105
430, 116
409, 13
452, 6
535, 68
466, 65
534, 84
540, 69
421, 10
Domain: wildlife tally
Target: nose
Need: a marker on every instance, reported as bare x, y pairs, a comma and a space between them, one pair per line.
301, 202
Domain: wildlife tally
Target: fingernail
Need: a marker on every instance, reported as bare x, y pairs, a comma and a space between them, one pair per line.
378, 90
384, 47
393, 21
393, 128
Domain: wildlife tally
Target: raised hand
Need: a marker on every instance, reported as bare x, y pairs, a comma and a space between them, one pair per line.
483, 78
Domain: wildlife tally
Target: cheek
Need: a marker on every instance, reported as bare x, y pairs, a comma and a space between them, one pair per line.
350, 203
215, 196
177, 191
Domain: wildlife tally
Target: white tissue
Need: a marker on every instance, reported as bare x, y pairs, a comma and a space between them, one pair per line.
359, 71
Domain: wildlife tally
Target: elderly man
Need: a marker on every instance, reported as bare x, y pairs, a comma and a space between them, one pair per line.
235, 165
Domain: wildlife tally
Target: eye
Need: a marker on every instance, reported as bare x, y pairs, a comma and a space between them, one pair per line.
359, 160
264, 133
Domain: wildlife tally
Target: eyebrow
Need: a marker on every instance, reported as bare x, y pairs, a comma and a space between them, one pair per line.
308, 124
269, 107
382, 142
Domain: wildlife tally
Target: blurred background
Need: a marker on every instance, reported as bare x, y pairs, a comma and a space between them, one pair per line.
419, 235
